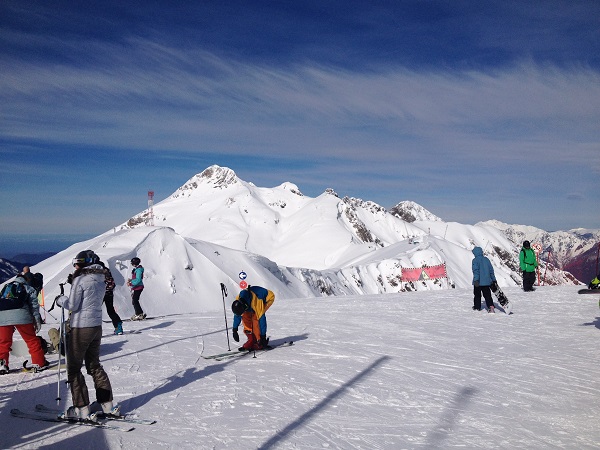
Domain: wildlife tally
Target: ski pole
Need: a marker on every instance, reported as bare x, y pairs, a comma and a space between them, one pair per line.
224, 294
47, 312
546, 269
60, 341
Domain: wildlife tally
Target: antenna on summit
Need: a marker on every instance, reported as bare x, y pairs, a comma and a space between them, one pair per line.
150, 220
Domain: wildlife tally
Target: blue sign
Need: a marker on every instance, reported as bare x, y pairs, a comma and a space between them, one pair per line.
243, 275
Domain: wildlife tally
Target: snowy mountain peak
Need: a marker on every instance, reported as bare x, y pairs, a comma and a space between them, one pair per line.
214, 176
287, 186
219, 176
410, 212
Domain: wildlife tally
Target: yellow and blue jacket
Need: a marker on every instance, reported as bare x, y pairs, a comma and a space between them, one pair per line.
258, 300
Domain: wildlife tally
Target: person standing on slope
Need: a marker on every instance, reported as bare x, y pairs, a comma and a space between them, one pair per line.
83, 340
22, 315
483, 277
528, 263
136, 283
109, 300
27, 275
249, 308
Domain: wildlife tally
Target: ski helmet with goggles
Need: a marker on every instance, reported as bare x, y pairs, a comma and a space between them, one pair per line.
238, 307
85, 258
135, 261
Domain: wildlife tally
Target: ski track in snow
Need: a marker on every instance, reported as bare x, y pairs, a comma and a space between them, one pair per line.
409, 371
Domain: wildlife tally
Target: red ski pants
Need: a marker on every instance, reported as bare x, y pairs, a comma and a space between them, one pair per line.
27, 332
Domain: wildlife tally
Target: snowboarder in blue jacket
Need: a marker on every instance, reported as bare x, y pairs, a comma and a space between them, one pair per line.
483, 277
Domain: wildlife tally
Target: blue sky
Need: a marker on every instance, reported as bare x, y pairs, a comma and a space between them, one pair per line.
475, 110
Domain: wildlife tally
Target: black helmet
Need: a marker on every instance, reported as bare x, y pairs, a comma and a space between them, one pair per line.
135, 261
526, 244
85, 258
238, 307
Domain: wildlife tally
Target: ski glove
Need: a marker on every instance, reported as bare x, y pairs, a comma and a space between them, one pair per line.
236, 336
38, 325
476, 284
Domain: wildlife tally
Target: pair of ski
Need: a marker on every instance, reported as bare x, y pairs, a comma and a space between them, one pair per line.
45, 414
130, 320
240, 353
104, 336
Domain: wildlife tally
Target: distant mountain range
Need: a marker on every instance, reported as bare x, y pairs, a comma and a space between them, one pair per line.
10, 267
575, 251
216, 225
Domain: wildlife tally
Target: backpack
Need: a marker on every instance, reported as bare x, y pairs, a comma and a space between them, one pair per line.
13, 296
38, 282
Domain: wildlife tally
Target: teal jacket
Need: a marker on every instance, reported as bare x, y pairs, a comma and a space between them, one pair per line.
482, 268
137, 278
29, 313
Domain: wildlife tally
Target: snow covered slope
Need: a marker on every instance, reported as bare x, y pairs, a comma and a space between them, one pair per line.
416, 370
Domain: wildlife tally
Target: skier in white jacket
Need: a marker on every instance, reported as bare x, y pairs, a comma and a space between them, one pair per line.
83, 340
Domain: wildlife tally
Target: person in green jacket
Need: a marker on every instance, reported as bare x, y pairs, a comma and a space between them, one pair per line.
528, 263
595, 283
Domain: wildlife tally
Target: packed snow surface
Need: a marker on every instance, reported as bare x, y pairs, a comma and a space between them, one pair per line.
418, 370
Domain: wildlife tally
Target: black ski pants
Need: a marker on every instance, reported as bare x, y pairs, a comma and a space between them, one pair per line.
528, 280
487, 294
135, 301
110, 309
83, 344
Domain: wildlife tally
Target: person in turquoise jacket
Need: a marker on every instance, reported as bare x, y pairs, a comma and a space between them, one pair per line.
136, 283
528, 264
249, 308
483, 277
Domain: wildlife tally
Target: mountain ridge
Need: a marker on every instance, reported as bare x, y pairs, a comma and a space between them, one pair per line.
216, 225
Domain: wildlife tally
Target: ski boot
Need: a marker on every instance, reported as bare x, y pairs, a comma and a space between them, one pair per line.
106, 409
250, 343
79, 414
111, 411
35, 368
262, 344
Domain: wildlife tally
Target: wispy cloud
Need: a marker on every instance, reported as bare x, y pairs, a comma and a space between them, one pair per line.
152, 96
447, 106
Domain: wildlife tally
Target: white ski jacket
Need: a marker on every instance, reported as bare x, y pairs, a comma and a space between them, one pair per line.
85, 299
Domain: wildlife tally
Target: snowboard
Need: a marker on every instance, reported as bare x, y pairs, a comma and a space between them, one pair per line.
502, 298
588, 291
